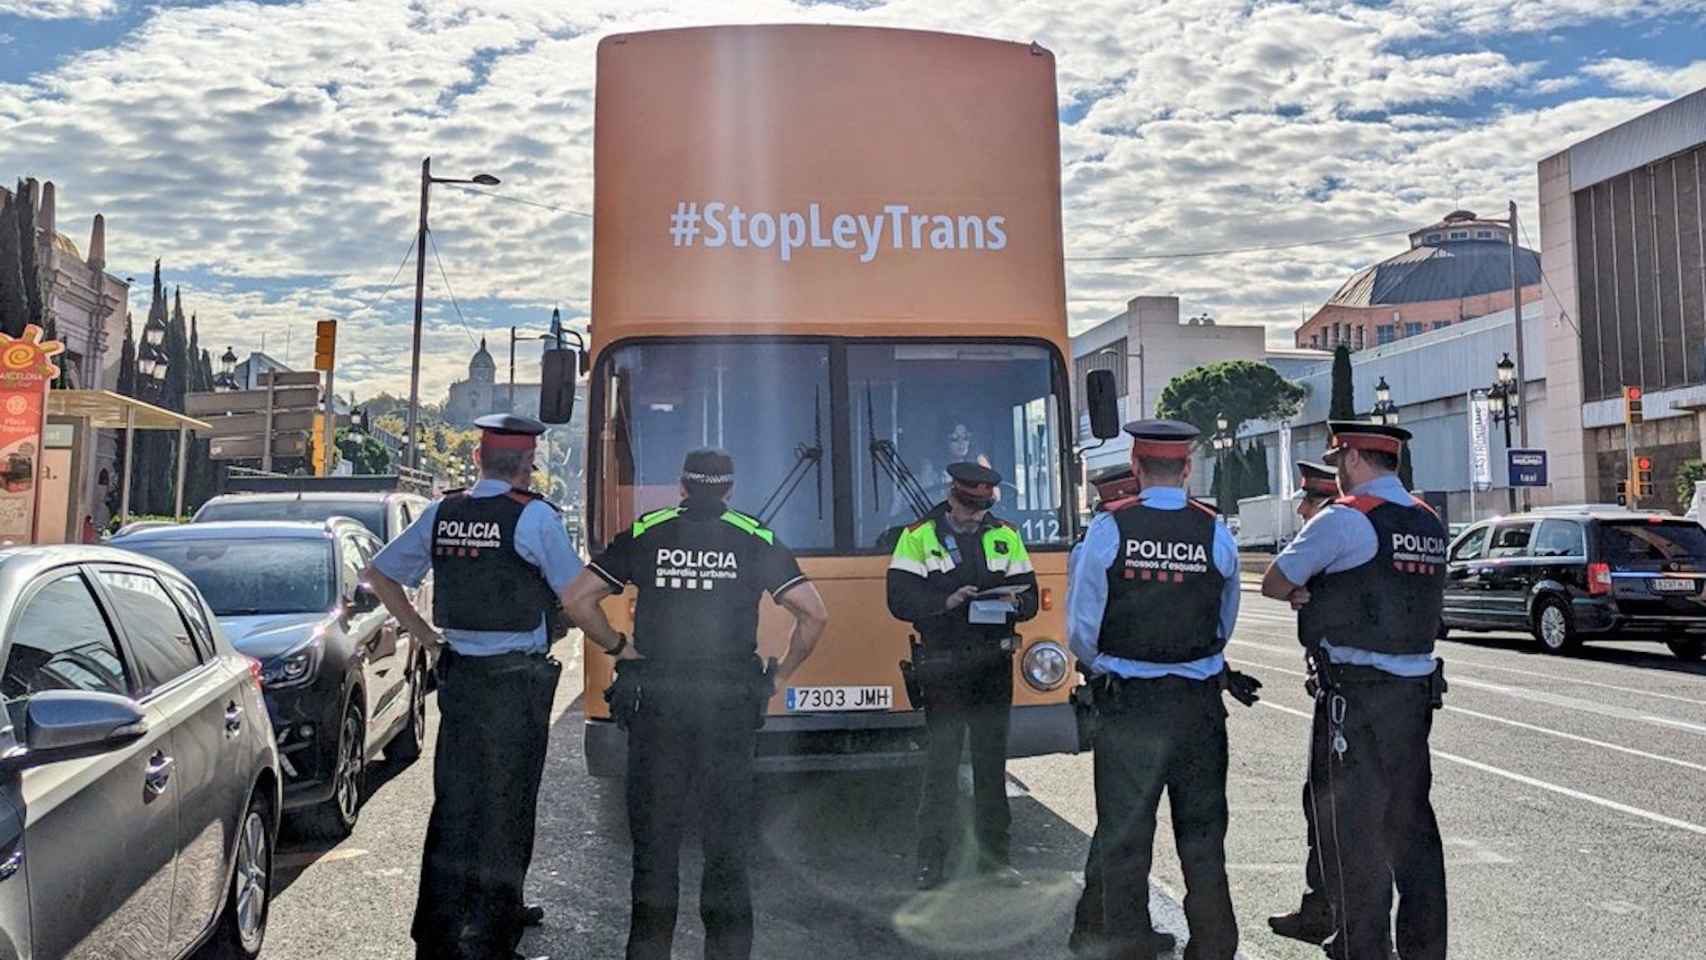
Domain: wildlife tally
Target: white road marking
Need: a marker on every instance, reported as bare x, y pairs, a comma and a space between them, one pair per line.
1680, 724
307, 857
1624, 808
1632, 751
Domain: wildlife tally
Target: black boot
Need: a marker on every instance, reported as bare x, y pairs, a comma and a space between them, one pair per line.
1308, 924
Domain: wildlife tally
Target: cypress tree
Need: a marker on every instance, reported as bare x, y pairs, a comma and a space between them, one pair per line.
1342, 405
127, 359
14, 303
178, 367
29, 257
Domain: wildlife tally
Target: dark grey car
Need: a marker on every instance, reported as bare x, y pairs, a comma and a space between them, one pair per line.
139, 785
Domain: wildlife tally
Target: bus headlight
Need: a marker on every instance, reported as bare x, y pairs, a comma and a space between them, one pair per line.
1044, 665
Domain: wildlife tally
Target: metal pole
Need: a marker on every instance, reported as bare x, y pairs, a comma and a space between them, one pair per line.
1469, 422
1634, 495
266, 438
1521, 379
511, 406
183, 450
420, 296
1510, 489
129, 464
329, 450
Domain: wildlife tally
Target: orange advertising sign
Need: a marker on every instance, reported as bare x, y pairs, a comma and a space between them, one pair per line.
26, 369
798, 178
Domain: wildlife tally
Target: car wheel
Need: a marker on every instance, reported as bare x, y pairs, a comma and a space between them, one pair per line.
335, 818
406, 747
1554, 627
242, 928
1690, 649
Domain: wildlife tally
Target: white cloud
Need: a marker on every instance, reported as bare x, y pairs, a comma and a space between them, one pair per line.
1641, 76
59, 9
282, 143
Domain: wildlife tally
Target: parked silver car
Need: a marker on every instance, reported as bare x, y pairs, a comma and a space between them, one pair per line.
139, 784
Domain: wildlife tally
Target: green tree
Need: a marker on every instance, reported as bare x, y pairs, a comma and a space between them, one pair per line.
14, 302
29, 258
1239, 390
1342, 404
1256, 470
127, 359
149, 443
367, 455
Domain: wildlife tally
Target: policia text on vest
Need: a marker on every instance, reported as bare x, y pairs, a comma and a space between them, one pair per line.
691, 693
1367, 575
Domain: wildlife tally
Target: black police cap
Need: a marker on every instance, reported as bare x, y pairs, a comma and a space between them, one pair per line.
973, 473
510, 424
708, 465
1318, 478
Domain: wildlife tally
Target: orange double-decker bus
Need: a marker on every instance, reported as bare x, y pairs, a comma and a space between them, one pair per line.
836, 253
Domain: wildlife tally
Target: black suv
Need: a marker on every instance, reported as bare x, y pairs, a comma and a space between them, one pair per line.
1570, 574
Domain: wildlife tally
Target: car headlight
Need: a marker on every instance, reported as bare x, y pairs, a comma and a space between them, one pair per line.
292, 669
1044, 665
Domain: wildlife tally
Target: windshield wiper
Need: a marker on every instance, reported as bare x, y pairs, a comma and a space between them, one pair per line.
805, 457
885, 456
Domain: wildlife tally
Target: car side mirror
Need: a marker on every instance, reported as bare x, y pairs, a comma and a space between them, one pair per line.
364, 600
58, 723
1101, 397
557, 376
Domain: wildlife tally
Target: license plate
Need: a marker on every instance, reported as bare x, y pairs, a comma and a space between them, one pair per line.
804, 699
1673, 585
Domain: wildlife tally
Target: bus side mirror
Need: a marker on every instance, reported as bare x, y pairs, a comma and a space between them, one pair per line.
557, 378
1101, 395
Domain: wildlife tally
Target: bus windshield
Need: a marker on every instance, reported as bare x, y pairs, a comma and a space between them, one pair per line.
768, 403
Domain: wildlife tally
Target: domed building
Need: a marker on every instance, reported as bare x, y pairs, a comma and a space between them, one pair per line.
482, 393
1455, 270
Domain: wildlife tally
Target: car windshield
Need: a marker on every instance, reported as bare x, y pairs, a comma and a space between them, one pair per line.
1623, 543
250, 577
369, 513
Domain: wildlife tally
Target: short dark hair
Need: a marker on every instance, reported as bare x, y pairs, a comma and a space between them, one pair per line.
1162, 468
504, 464
1381, 458
704, 463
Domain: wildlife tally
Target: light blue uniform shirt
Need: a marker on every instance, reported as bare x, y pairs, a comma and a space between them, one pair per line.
1340, 538
539, 538
1087, 594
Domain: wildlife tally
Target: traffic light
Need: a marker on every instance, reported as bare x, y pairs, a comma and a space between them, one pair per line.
325, 344
1644, 476
1631, 404
1623, 493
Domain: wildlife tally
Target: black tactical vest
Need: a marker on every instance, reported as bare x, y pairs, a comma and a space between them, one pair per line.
480, 582
1390, 604
1163, 586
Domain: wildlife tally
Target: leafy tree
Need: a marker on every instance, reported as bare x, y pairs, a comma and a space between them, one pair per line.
1688, 473
1239, 390
365, 453
14, 302
29, 259
1342, 404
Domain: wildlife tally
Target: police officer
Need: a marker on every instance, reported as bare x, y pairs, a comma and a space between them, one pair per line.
1368, 576
963, 664
500, 561
1152, 599
691, 693
1312, 921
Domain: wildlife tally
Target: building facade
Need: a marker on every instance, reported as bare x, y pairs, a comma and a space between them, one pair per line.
1623, 246
481, 393
1455, 270
1147, 345
87, 304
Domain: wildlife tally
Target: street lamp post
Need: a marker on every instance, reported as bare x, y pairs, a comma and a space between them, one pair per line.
1222, 442
227, 379
1385, 411
1504, 403
427, 180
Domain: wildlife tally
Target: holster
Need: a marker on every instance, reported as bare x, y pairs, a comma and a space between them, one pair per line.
1085, 710
1437, 685
763, 688
909, 677
557, 622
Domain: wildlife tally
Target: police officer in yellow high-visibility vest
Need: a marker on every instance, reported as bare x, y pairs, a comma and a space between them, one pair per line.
963, 579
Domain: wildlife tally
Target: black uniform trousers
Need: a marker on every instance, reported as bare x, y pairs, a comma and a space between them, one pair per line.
1376, 821
967, 697
690, 745
495, 723
1166, 733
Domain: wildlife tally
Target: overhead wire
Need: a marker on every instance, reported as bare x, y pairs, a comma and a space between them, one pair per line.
1562, 310
369, 305
440, 261
513, 199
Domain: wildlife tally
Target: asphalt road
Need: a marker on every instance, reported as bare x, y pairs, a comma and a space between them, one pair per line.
1571, 793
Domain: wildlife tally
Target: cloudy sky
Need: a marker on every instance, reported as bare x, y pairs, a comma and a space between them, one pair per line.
269, 152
